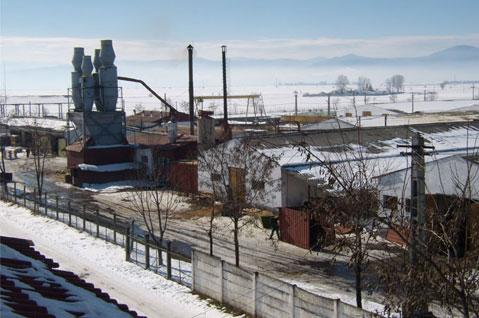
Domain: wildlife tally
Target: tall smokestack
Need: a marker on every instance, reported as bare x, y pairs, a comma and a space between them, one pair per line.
225, 99
190, 72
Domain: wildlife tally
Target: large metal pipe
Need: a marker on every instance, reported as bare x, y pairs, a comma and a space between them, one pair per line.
190, 86
87, 84
129, 79
225, 94
77, 60
108, 76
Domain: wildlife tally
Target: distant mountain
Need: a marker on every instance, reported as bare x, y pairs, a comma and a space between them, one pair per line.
455, 55
460, 52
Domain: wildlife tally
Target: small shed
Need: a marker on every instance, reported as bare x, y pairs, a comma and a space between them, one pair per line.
304, 229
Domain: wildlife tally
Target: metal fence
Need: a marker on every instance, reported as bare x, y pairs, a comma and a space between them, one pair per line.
140, 247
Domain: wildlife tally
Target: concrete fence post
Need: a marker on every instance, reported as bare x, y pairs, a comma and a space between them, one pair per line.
46, 204
56, 207
114, 228
193, 269
15, 191
69, 207
168, 260
336, 304
69, 213
84, 218
255, 294
292, 300
147, 251
127, 244
34, 200
97, 219
220, 278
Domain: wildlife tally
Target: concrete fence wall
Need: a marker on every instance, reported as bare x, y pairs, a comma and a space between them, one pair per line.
261, 295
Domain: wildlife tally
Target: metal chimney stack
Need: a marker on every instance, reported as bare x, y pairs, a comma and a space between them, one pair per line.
225, 94
190, 72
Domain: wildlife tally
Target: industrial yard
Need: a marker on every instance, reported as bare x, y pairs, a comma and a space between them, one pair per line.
241, 163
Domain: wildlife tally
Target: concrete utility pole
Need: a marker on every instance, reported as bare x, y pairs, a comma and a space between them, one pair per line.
190, 72
418, 223
418, 197
225, 94
329, 104
296, 103
412, 102
473, 96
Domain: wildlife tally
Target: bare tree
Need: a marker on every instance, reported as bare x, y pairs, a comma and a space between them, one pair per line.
240, 177
348, 201
155, 205
40, 149
341, 83
397, 82
446, 270
364, 84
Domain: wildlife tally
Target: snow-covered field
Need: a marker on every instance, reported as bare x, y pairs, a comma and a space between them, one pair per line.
103, 264
276, 99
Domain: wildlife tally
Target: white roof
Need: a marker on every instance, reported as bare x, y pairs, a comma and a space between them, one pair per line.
380, 157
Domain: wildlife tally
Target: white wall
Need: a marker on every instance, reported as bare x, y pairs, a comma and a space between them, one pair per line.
261, 295
442, 177
272, 193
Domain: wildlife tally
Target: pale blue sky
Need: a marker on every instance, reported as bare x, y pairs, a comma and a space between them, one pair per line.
206, 20
41, 34
44, 31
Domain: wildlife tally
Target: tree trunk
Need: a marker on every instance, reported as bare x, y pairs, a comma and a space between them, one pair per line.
236, 241
465, 306
210, 235
359, 302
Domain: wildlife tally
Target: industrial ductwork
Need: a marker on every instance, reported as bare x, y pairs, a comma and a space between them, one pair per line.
100, 87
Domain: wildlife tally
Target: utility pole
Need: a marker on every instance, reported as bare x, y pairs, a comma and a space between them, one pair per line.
418, 235
412, 102
329, 104
225, 94
473, 87
190, 72
425, 89
296, 103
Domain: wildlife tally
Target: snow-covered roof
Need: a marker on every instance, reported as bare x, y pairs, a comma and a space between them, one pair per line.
27, 273
47, 123
379, 157
408, 119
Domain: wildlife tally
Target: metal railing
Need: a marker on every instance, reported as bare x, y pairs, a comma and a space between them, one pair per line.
142, 250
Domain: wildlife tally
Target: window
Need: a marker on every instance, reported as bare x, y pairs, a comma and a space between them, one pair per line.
390, 202
215, 177
257, 185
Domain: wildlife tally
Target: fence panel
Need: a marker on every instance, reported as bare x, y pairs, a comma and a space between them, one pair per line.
111, 228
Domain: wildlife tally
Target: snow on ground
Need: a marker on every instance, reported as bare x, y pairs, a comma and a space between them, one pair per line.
111, 187
108, 168
103, 264
181, 203
279, 99
51, 123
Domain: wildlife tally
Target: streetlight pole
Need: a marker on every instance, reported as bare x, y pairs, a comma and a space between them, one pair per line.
296, 103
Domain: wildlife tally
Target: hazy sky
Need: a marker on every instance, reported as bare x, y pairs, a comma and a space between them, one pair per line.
44, 31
